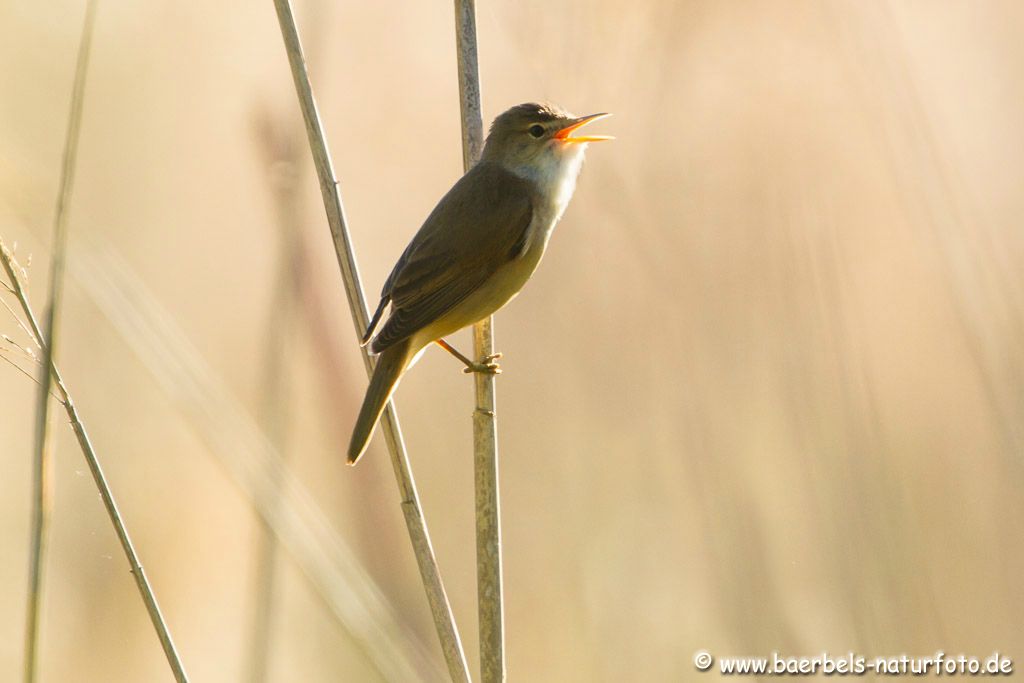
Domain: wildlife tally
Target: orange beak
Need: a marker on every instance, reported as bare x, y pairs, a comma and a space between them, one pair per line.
565, 134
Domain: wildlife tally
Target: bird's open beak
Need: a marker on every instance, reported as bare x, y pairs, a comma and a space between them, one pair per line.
565, 134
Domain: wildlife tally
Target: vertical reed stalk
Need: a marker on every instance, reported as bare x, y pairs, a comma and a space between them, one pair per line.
141, 581
490, 598
280, 156
273, 414
440, 608
41, 463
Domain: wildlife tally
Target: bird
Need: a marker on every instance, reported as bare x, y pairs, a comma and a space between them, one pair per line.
477, 248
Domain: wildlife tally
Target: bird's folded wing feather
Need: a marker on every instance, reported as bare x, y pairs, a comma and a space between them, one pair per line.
479, 226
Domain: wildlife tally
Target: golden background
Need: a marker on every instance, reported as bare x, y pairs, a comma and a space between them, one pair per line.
766, 392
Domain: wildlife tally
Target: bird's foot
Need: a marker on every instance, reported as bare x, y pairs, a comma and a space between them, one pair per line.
486, 366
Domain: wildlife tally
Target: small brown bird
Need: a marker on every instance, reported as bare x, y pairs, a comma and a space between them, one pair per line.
477, 248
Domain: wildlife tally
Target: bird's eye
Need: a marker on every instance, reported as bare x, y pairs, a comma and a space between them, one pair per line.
536, 130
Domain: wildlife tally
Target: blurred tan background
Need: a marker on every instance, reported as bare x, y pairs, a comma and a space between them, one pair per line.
766, 391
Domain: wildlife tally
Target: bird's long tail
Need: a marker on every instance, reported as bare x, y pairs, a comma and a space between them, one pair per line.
390, 365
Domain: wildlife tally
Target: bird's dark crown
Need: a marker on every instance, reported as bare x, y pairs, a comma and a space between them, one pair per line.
534, 112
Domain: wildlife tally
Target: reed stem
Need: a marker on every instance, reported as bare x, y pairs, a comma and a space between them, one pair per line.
444, 620
43, 452
490, 589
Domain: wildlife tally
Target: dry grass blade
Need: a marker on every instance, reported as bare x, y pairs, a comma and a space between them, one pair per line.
5, 356
141, 580
17, 319
490, 597
440, 608
255, 466
279, 152
8, 359
41, 486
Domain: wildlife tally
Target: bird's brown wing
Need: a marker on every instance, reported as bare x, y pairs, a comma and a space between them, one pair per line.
480, 225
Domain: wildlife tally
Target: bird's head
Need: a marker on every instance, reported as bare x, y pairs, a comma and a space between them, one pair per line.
539, 141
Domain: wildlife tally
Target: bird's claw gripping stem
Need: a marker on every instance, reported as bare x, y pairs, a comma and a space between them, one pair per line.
485, 366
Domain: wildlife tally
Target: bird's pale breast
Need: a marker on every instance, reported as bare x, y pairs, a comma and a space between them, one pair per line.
502, 286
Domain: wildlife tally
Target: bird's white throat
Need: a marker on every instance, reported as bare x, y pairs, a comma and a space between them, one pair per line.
554, 172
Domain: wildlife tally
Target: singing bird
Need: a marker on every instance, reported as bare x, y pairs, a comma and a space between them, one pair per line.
477, 248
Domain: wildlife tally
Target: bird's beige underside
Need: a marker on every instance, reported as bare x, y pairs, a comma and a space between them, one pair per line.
496, 291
